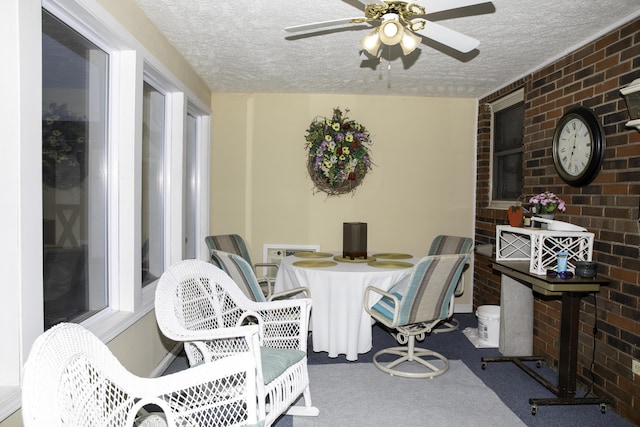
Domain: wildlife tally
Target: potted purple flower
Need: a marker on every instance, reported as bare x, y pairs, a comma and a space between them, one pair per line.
547, 204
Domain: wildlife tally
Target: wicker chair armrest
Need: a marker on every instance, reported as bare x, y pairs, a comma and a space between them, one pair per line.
246, 332
197, 382
283, 321
297, 309
196, 375
304, 304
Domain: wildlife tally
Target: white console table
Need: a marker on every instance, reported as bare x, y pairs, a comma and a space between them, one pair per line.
540, 247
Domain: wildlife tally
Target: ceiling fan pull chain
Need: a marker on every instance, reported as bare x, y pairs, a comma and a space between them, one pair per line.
389, 67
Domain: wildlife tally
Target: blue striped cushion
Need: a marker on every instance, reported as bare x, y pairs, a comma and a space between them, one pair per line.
386, 306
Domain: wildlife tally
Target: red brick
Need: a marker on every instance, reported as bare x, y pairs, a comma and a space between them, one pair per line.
608, 206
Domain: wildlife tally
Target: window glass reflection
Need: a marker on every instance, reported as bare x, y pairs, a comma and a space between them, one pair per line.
153, 136
74, 155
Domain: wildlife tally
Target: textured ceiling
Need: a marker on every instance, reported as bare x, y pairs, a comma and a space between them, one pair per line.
242, 46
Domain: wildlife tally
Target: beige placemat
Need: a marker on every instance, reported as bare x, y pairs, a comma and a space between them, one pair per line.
390, 264
314, 263
311, 254
340, 258
392, 255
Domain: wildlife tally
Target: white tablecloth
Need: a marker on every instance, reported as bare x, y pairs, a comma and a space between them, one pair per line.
340, 324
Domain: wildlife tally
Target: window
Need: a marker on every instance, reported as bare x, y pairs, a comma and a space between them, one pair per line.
153, 143
74, 75
507, 129
74, 155
190, 188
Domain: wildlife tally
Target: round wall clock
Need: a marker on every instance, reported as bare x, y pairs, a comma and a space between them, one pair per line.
578, 146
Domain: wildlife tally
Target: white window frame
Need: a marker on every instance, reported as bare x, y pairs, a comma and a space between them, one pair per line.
498, 105
21, 309
21, 86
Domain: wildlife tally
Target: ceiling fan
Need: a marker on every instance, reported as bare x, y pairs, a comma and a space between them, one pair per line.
399, 22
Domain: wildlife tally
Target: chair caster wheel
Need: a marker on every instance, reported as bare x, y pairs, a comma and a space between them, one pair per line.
484, 366
603, 408
538, 364
534, 409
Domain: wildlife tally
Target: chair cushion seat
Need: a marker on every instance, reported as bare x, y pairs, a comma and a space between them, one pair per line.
386, 306
277, 360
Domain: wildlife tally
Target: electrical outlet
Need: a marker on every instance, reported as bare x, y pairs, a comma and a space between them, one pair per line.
635, 366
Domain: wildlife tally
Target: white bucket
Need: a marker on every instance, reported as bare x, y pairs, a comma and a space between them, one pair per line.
489, 324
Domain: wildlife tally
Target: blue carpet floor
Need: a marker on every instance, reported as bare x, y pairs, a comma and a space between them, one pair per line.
510, 383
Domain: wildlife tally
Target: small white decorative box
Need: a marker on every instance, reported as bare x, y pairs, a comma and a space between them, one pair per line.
540, 247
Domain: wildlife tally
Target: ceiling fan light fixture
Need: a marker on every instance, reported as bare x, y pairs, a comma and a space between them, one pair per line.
394, 18
409, 42
371, 42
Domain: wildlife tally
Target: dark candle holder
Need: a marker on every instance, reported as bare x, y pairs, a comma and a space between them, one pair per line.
354, 240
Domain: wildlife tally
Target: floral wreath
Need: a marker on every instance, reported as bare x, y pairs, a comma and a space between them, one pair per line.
338, 156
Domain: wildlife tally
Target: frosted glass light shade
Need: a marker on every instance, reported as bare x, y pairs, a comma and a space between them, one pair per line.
371, 42
391, 32
410, 42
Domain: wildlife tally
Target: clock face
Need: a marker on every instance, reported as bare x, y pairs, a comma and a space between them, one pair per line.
574, 147
578, 146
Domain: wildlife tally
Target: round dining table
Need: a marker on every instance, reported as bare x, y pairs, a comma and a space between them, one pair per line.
339, 323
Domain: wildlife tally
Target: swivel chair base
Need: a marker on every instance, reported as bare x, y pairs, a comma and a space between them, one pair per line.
410, 353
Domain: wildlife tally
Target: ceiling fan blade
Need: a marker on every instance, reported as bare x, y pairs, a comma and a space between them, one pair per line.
434, 6
323, 24
451, 38
356, 3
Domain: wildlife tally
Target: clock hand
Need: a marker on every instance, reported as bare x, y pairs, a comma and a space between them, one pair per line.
573, 148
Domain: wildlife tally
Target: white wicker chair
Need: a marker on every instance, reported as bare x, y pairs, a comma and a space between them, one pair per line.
72, 379
199, 304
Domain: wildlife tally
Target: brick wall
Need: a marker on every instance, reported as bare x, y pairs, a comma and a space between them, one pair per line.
592, 76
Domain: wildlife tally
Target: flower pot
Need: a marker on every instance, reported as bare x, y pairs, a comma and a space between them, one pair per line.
543, 225
515, 215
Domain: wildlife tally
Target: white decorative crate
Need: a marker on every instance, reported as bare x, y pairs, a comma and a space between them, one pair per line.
540, 247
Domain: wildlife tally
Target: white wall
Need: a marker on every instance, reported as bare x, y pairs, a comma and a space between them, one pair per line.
422, 183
